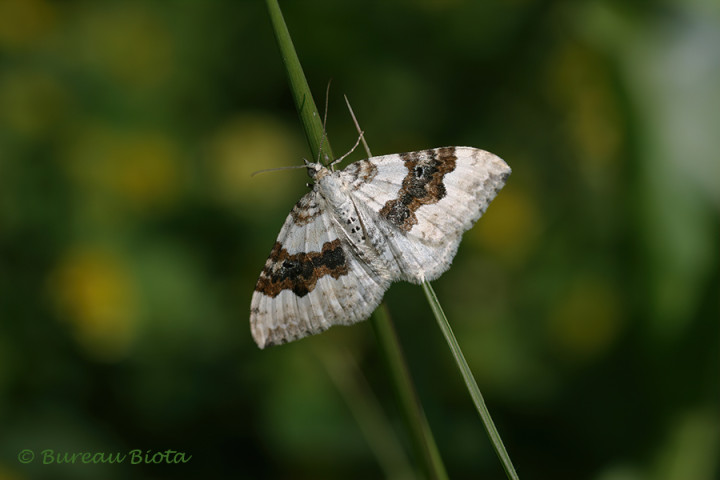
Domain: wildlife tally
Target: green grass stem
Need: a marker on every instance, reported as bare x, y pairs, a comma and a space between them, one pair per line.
422, 440
470, 382
299, 87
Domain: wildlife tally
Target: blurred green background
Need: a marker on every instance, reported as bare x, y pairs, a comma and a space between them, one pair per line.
131, 236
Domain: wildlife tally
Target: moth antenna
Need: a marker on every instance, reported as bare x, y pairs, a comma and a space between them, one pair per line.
357, 126
348, 153
323, 138
265, 170
327, 102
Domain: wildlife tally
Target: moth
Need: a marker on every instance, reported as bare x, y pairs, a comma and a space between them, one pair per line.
390, 218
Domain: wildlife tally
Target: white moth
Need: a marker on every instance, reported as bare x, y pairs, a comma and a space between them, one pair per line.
380, 220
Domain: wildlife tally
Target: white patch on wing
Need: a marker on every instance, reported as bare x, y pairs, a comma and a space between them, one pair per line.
311, 233
470, 188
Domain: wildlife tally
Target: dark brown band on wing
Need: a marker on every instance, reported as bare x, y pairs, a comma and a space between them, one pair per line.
423, 185
301, 271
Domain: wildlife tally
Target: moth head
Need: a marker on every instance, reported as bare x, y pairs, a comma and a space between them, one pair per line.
313, 168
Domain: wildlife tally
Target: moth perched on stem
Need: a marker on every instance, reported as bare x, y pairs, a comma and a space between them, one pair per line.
384, 219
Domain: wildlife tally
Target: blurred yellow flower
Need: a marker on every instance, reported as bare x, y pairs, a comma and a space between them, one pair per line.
586, 320
509, 227
139, 169
24, 21
248, 143
129, 42
31, 102
94, 292
579, 83
147, 170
